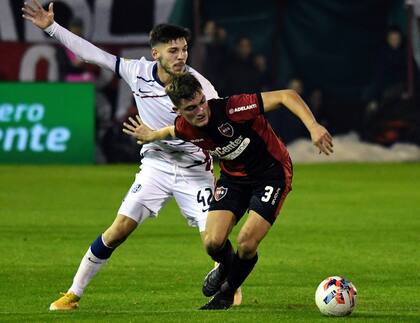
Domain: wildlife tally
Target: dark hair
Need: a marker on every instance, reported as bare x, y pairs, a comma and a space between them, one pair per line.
164, 33
394, 29
183, 86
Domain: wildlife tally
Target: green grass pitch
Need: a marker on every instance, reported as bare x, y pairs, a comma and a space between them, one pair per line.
361, 221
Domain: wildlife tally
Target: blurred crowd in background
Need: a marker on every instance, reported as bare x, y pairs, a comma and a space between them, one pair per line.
386, 112
382, 106
385, 107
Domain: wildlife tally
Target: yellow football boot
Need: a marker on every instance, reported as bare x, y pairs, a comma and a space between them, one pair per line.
67, 302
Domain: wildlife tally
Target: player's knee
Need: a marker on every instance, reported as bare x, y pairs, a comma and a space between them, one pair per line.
114, 236
247, 246
213, 244
119, 231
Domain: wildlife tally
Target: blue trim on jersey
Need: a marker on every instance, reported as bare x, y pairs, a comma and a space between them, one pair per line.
143, 79
117, 67
155, 76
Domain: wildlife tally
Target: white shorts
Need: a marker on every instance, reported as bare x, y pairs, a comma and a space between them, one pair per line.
153, 187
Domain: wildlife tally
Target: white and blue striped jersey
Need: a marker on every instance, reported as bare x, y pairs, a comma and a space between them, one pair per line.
155, 110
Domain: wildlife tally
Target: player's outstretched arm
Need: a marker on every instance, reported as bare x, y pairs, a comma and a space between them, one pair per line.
143, 134
292, 100
44, 19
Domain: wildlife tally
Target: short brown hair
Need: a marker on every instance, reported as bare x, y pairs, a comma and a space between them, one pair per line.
183, 86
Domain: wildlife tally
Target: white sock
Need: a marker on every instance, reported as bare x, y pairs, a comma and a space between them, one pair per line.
88, 268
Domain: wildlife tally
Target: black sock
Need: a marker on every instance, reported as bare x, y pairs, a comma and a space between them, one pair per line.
241, 268
225, 257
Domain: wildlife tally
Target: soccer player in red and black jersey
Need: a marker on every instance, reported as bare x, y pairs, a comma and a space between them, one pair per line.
256, 170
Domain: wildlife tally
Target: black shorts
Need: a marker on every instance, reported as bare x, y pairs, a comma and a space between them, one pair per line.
264, 195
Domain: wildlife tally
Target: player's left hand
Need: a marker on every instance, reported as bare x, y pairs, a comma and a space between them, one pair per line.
35, 13
322, 139
137, 129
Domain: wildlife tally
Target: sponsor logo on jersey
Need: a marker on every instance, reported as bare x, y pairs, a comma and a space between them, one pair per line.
197, 140
231, 150
220, 193
226, 129
144, 91
242, 108
136, 188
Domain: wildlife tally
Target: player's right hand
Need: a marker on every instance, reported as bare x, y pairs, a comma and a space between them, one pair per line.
138, 130
321, 138
37, 15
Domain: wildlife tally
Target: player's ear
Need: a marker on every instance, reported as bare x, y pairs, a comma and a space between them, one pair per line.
155, 53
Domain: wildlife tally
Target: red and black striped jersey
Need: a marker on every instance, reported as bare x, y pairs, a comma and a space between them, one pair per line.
239, 135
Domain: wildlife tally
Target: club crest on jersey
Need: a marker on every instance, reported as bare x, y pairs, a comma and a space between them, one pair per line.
226, 130
220, 193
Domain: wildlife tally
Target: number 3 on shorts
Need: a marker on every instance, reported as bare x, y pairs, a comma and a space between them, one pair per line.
267, 194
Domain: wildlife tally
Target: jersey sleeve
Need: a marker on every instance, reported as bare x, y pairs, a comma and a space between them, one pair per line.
81, 47
128, 69
180, 125
244, 107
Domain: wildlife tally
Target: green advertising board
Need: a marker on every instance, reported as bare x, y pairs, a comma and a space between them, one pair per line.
47, 123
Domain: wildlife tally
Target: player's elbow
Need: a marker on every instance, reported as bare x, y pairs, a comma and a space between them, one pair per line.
288, 97
289, 94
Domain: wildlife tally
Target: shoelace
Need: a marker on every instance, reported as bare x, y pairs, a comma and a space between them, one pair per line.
67, 296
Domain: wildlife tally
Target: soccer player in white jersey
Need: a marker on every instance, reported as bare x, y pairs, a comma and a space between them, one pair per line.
169, 168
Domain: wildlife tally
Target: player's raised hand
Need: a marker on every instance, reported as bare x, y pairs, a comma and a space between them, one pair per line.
37, 15
322, 139
137, 129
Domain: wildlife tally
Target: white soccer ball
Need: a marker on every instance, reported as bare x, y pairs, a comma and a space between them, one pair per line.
336, 296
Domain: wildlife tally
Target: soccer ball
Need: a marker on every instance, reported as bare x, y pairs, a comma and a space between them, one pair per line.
336, 296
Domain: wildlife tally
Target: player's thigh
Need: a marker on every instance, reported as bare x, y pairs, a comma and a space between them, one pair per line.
231, 195
149, 192
193, 196
267, 198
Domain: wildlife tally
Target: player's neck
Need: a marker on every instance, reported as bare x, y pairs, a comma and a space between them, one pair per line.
163, 76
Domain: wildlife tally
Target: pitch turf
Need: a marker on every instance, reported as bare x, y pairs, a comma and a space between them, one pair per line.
357, 220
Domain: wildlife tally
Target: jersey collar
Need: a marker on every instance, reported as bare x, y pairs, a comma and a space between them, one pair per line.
155, 75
